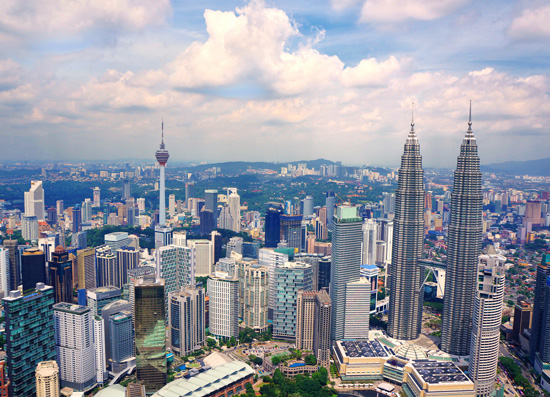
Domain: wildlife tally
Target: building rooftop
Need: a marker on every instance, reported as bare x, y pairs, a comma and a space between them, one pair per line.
439, 371
363, 348
71, 308
207, 382
112, 391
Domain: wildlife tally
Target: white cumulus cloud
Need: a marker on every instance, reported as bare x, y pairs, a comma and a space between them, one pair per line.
531, 24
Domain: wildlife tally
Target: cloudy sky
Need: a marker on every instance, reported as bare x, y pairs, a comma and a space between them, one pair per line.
273, 80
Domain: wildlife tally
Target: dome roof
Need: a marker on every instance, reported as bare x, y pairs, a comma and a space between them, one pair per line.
59, 249
410, 352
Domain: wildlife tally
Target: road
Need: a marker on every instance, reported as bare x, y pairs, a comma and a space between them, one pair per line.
504, 351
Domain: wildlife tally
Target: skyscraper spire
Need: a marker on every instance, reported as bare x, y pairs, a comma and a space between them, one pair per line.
405, 280
163, 234
464, 246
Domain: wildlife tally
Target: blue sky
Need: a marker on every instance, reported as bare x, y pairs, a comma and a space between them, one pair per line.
273, 80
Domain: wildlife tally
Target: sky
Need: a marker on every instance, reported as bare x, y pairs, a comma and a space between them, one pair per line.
273, 80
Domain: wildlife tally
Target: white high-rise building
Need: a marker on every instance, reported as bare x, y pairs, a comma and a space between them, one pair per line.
234, 201
370, 236
59, 207
357, 316
141, 205
34, 201
256, 293
180, 238
99, 340
223, 291
234, 244
203, 257
187, 321
48, 245
29, 227
172, 205
272, 258
4, 271
97, 197
484, 346
176, 265
87, 210
74, 342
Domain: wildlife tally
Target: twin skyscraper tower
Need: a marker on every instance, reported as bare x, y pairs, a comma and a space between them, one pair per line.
406, 275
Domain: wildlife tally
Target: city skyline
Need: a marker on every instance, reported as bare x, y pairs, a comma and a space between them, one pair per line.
346, 67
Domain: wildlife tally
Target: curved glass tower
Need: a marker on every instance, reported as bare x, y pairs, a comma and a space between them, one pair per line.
406, 276
463, 249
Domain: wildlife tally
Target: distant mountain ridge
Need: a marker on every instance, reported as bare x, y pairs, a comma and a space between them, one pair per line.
237, 167
540, 167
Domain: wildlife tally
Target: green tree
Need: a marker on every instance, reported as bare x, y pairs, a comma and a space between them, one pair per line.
278, 377
211, 342
310, 359
249, 390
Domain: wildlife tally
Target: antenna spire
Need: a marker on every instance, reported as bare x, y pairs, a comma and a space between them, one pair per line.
470, 118
412, 117
162, 139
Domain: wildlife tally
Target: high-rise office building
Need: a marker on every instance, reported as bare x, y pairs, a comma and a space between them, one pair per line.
87, 210
211, 203
126, 194
61, 275
172, 205
223, 311
346, 262
99, 339
76, 219
97, 197
202, 252
234, 201
127, 258
291, 230
100, 297
33, 268
176, 265
329, 203
34, 201
540, 312
235, 244
289, 279
207, 222
51, 216
314, 309
523, 314
463, 248
273, 225
29, 336
59, 206
119, 335
150, 331
47, 379
87, 275
163, 233
487, 317
256, 293
117, 240
186, 319
74, 343
273, 258
14, 271
29, 227
107, 267
406, 276
357, 315
189, 191
308, 206
4, 275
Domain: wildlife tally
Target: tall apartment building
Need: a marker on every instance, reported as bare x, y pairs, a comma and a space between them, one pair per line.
463, 249
127, 258
107, 267
47, 379
289, 279
29, 336
223, 312
346, 262
487, 317
150, 331
204, 260
313, 324
256, 293
186, 319
74, 343
29, 227
357, 315
234, 201
99, 339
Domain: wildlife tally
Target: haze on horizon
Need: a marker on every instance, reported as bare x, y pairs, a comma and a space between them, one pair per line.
274, 81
